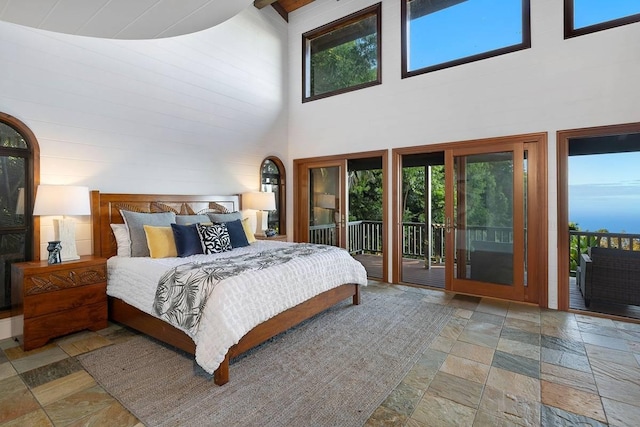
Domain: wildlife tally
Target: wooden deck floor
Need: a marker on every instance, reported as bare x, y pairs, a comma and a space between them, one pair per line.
414, 272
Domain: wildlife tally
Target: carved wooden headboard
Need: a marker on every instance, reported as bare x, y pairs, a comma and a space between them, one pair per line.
105, 210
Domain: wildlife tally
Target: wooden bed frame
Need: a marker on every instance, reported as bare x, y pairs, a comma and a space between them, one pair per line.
105, 210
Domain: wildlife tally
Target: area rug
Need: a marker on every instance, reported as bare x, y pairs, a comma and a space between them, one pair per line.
332, 370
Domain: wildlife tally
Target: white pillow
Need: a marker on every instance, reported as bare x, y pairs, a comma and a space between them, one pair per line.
121, 232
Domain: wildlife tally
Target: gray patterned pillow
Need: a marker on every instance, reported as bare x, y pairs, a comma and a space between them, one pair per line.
224, 217
215, 238
191, 219
137, 220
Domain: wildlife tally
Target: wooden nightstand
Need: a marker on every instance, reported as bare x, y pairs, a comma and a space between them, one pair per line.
59, 299
277, 237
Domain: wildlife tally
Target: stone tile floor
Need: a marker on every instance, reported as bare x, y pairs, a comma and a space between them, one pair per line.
495, 363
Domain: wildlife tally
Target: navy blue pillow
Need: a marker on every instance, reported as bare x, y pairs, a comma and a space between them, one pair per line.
236, 234
187, 239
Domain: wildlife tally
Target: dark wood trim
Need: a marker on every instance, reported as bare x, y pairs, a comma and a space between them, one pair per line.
525, 44
396, 206
374, 10
281, 11
562, 166
541, 204
569, 25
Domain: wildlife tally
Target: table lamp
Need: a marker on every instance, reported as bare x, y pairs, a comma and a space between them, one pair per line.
62, 200
261, 202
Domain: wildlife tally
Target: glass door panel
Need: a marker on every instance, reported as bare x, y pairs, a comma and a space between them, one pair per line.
484, 217
325, 217
486, 223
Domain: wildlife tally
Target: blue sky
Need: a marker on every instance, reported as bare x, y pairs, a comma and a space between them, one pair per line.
589, 12
463, 30
604, 192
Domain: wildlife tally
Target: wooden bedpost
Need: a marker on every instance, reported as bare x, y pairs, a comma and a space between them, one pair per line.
221, 375
95, 223
356, 296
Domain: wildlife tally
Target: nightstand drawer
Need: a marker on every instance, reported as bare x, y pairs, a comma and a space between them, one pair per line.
51, 302
38, 330
51, 280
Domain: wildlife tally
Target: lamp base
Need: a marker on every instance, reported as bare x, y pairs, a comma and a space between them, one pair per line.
67, 236
262, 222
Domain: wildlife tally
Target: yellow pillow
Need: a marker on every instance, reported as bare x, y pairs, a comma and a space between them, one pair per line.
247, 230
160, 242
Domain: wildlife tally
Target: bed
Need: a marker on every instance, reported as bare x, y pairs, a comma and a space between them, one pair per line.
106, 210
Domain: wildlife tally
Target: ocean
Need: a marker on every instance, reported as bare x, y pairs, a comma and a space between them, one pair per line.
613, 222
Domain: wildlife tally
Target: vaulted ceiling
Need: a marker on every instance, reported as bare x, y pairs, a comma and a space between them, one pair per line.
131, 19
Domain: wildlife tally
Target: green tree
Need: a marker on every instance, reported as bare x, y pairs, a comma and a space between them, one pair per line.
365, 195
345, 65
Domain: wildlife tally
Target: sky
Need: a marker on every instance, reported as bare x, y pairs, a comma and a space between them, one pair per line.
604, 192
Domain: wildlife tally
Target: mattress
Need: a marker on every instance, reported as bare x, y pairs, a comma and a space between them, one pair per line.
239, 303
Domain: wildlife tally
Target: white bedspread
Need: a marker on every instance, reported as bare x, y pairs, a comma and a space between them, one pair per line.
238, 303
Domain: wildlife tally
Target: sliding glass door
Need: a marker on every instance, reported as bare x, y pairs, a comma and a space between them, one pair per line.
340, 200
485, 221
471, 217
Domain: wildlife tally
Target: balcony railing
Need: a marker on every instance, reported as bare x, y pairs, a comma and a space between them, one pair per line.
366, 237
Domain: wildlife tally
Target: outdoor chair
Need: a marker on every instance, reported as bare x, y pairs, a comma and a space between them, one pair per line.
610, 275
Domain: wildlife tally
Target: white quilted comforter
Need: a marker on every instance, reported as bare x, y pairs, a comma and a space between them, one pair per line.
241, 302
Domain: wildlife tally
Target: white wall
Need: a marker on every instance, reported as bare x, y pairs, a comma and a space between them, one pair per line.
194, 114
191, 114
556, 84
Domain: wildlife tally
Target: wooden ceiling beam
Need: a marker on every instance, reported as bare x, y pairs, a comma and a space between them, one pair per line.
259, 4
291, 5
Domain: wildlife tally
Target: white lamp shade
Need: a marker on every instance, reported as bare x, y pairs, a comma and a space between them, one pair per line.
260, 201
62, 200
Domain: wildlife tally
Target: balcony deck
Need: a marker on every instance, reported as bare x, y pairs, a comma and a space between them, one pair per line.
413, 272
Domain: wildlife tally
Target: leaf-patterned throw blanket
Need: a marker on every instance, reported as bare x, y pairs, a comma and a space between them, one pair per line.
183, 291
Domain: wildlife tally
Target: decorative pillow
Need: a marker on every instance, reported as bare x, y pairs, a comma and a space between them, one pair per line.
121, 233
224, 217
192, 219
246, 226
160, 241
214, 238
135, 223
236, 234
187, 239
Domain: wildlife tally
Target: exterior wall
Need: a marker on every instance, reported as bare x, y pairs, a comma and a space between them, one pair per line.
191, 114
556, 84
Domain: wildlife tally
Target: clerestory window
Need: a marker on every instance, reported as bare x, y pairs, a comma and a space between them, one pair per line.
588, 16
438, 34
342, 56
